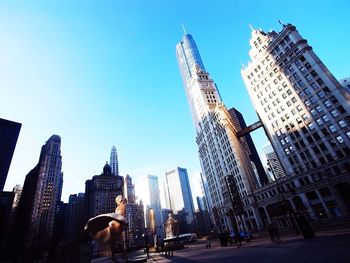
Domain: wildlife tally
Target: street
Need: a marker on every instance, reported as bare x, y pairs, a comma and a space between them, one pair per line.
327, 247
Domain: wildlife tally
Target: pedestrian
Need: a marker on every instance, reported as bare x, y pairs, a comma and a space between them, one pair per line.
237, 238
276, 234
270, 229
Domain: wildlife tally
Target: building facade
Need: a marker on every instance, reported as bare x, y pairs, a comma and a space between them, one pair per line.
221, 153
178, 193
305, 112
9, 132
114, 161
101, 191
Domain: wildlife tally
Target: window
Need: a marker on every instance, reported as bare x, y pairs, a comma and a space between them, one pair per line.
340, 139
325, 118
332, 128
327, 103
325, 192
335, 113
342, 123
311, 195
311, 126
321, 94
319, 121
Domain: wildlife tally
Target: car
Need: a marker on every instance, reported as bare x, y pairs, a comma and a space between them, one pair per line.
245, 235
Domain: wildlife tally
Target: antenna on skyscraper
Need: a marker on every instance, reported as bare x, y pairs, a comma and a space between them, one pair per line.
251, 27
183, 28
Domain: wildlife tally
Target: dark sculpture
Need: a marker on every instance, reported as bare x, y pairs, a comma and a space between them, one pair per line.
109, 226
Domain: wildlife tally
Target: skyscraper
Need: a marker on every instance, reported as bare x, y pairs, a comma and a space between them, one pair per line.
134, 213
220, 151
114, 161
35, 216
306, 114
9, 132
248, 144
148, 192
300, 103
129, 189
48, 190
178, 192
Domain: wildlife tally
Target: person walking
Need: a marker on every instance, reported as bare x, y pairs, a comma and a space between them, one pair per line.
237, 238
276, 234
270, 229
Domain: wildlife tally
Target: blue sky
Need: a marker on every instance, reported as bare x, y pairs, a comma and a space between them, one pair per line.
104, 73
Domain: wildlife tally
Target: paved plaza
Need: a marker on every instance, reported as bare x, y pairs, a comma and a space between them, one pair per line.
327, 247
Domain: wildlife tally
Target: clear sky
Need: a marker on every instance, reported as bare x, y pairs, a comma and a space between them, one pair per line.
104, 73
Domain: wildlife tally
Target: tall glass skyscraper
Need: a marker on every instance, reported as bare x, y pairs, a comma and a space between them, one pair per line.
178, 193
148, 191
220, 151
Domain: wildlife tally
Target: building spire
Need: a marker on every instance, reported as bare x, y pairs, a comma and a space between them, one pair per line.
183, 28
251, 27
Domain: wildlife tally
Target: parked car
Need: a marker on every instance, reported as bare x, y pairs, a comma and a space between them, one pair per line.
245, 235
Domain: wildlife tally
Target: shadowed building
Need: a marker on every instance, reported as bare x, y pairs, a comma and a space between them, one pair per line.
9, 132
248, 144
75, 219
41, 194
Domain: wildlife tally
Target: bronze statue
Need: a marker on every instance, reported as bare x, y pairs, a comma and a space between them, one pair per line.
109, 226
170, 226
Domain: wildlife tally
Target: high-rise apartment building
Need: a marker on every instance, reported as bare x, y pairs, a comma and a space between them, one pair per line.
178, 192
9, 132
221, 153
306, 115
114, 161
